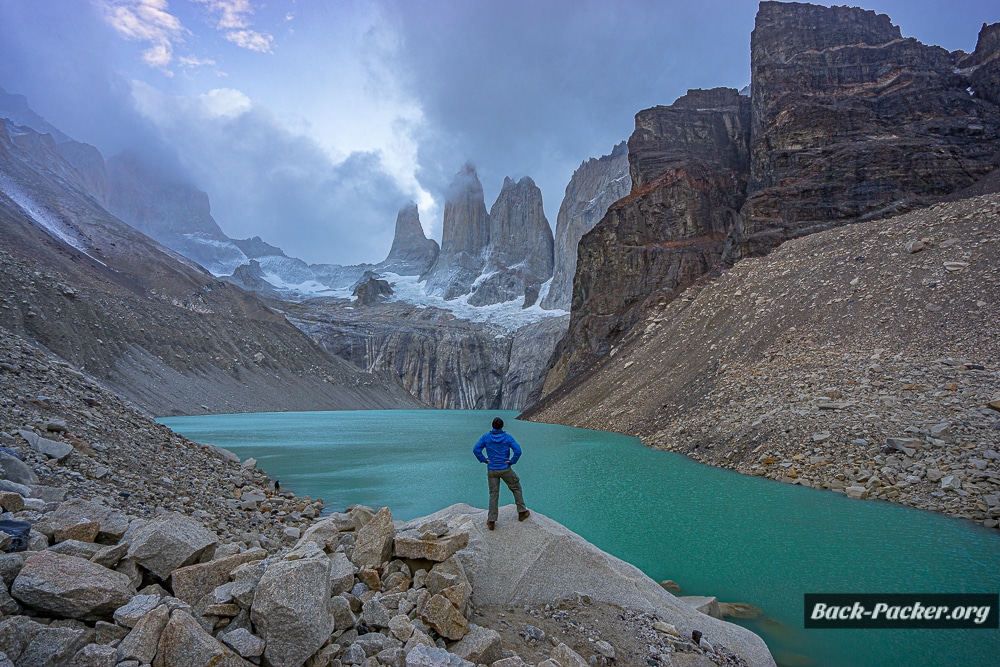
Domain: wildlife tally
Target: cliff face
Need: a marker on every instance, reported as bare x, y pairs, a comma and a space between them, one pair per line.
465, 235
412, 253
519, 257
443, 361
985, 77
595, 185
847, 121
688, 170
851, 120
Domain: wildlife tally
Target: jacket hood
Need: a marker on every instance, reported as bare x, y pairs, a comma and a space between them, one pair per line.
497, 435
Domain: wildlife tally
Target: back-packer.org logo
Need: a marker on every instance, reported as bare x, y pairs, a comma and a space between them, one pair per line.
902, 610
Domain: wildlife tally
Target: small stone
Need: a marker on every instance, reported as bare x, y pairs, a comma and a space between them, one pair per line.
244, 642
354, 655
128, 615
479, 646
11, 502
185, 642
140, 644
373, 543
84, 531
401, 627
375, 614
567, 657
193, 582
413, 545
953, 482
85, 550
442, 615
110, 556
53, 449
95, 655
369, 578
171, 541
429, 656
605, 649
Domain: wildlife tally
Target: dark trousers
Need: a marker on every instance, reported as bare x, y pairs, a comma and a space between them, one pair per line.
509, 478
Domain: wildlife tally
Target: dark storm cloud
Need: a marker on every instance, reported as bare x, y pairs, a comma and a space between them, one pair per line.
535, 88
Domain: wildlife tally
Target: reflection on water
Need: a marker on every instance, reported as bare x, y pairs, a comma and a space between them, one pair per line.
715, 532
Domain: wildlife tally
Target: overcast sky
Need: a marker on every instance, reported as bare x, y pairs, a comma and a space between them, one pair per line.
311, 122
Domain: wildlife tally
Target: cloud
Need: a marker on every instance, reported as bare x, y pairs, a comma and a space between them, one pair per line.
233, 20
265, 180
146, 21
193, 61
225, 103
251, 40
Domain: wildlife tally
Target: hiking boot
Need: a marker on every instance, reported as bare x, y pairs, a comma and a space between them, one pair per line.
491, 524
521, 516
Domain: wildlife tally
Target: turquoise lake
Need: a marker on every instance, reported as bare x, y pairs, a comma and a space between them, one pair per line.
715, 532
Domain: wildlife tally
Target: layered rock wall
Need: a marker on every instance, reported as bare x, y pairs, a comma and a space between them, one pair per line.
851, 120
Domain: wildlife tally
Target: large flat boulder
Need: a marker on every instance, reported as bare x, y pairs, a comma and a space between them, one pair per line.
71, 587
291, 608
171, 541
539, 560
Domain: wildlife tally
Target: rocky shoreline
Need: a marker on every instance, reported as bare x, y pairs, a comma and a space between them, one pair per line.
148, 549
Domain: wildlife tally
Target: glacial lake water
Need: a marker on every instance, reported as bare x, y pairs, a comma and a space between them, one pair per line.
715, 532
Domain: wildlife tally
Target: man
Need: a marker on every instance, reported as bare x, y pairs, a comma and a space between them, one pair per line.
498, 460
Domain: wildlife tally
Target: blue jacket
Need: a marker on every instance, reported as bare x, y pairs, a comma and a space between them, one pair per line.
498, 446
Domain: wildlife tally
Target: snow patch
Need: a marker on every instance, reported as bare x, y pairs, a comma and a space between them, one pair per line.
508, 315
43, 218
310, 287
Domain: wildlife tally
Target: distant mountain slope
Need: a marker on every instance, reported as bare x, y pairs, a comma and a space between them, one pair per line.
863, 359
151, 324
